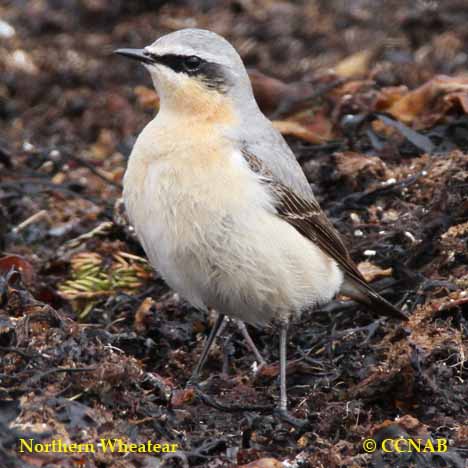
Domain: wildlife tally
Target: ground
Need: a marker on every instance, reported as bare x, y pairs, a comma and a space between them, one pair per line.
373, 98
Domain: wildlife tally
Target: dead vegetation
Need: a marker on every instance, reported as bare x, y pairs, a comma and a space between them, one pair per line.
373, 98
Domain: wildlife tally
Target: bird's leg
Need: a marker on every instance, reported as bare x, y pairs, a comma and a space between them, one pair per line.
213, 333
282, 409
250, 343
283, 403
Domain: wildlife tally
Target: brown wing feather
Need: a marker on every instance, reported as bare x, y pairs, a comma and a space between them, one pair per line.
308, 218
312, 223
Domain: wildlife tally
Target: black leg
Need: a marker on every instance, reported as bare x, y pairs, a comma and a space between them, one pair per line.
206, 349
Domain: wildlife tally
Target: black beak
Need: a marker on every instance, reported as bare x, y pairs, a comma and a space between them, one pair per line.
136, 54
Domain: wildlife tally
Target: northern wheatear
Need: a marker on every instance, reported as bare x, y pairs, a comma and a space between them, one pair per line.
220, 204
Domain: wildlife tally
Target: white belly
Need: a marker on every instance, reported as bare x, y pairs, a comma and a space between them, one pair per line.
215, 239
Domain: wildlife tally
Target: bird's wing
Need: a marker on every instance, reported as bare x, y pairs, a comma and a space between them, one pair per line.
307, 217
260, 138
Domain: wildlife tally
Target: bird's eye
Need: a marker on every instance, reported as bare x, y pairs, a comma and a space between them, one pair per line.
192, 63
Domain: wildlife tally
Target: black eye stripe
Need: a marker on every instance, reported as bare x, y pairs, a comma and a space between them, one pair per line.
176, 62
211, 74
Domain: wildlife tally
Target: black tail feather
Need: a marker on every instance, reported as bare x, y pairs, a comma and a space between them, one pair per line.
364, 294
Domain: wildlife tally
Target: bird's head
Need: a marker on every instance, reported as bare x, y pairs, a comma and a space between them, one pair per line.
195, 71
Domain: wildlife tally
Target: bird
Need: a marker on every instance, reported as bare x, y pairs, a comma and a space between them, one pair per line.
221, 205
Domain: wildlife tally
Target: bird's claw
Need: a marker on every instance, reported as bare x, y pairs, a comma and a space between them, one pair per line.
284, 415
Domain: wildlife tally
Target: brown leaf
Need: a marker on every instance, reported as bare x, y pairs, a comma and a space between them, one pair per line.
19, 263
453, 303
458, 230
389, 96
413, 105
461, 435
270, 92
355, 65
351, 165
183, 397
372, 272
407, 422
272, 370
460, 98
298, 130
144, 315
269, 370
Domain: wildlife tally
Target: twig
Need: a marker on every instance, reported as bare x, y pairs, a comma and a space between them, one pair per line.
31, 220
290, 105
91, 168
210, 401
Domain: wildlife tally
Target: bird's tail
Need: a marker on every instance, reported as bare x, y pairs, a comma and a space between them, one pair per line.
364, 294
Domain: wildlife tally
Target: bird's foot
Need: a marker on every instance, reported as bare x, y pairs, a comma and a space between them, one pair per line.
193, 382
284, 415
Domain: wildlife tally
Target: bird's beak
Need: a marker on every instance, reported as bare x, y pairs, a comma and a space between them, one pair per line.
136, 54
